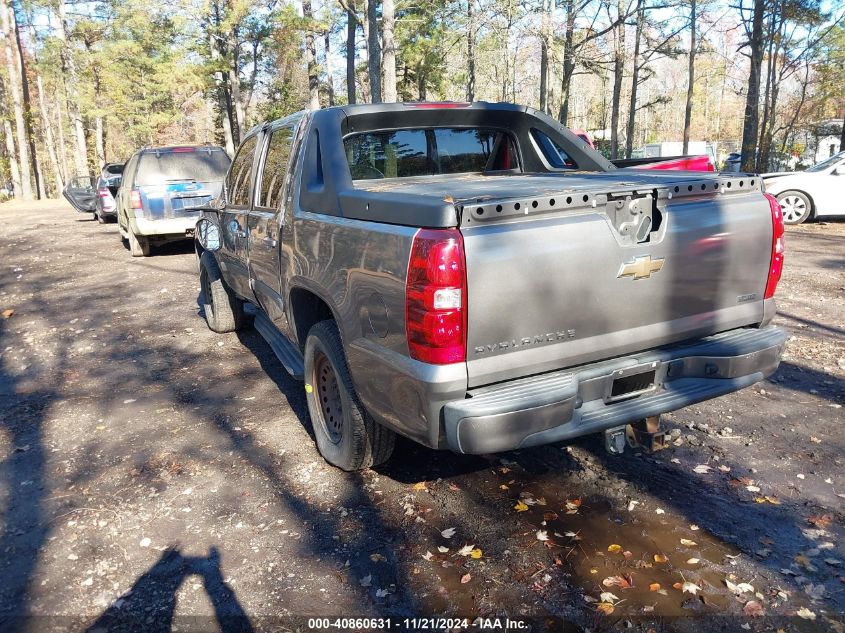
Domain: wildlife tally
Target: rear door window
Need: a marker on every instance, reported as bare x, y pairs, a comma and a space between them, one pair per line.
240, 176
199, 165
554, 153
426, 152
274, 174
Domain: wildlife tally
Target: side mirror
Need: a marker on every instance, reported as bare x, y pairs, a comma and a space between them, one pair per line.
208, 234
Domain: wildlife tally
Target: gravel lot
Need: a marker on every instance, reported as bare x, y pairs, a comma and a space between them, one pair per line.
153, 473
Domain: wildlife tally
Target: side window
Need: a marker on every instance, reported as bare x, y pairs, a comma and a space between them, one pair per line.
241, 174
275, 169
554, 153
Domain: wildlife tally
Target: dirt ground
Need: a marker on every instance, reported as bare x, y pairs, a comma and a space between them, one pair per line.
157, 476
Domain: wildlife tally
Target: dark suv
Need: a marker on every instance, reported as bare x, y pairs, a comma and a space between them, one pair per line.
163, 189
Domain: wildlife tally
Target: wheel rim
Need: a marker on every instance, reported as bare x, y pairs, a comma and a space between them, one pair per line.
328, 398
793, 208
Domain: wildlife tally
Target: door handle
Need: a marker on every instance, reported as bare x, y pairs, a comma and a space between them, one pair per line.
269, 242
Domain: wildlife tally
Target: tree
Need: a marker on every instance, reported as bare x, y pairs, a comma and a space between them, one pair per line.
17, 98
373, 52
693, 20
388, 51
753, 21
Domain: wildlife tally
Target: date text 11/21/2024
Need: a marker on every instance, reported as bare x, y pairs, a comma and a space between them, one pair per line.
419, 624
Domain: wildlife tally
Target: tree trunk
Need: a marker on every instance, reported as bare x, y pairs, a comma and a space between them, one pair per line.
27, 107
752, 99
470, 51
13, 157
618, 73
49, 140
388, 51
327, 44
351, 28
842, 137
16, 94
635, 79
234, 79
690, 76
224, 101
373, 53
80, 155
544, 57
568, 60
311, 57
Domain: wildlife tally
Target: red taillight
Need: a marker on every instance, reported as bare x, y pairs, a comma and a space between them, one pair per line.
135, 198
103, 192
776, 264
435, 297
183, 150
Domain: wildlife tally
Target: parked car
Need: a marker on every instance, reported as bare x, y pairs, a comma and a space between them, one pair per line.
107, 186
812, 193
733, 163
162, 191
436, 270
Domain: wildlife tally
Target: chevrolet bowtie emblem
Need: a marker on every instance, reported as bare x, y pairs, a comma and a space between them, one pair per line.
641, 267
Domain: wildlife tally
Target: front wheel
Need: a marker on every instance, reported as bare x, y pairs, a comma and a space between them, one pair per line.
347, 436
796, 206
224, 311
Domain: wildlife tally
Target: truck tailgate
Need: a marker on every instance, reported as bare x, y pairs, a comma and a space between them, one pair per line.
556, 279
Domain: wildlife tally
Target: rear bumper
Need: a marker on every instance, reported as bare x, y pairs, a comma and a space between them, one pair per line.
566, 404
165, 226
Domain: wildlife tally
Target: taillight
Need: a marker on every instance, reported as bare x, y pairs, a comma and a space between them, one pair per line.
103, 192
776, 264
135, 198
435, 297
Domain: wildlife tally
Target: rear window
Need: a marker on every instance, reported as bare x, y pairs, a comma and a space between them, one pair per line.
426, 152
201, 165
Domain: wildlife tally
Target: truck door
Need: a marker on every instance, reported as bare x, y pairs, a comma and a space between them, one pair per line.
266, 223
233, 219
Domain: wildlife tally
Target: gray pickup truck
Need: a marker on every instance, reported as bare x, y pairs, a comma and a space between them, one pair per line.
476, 277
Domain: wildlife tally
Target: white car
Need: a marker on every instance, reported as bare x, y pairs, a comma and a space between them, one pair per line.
815, 192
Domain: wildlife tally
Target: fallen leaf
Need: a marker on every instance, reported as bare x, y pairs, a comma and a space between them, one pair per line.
660, 558
740, 588
542, 535
688, 543
367, 580
632, 504
606, 596
7, 313
448, 533
660, 511
377, 557
820, 521
692, 561
702, 469
466, 550
466, 578
381, 593
442, 549
694, 527
627, 554
690, 587
605, 607
753, 609
550, 516
805, 613
572, 506
655, 586
427, 555
614, 548
520, 506
724, 468
419, 486
476, 553
503, 487
617, 581
753, 488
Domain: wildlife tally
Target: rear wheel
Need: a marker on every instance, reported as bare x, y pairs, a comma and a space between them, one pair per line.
347, 436
139, 246
224, 311
796, 206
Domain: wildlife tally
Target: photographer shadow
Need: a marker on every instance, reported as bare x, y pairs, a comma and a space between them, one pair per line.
150, 604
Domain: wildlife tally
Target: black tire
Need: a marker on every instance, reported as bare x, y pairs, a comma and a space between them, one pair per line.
224, 311
796, 206
139, 246
353, 440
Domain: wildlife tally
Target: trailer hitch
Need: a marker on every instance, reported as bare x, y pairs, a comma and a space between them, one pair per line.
646, 434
